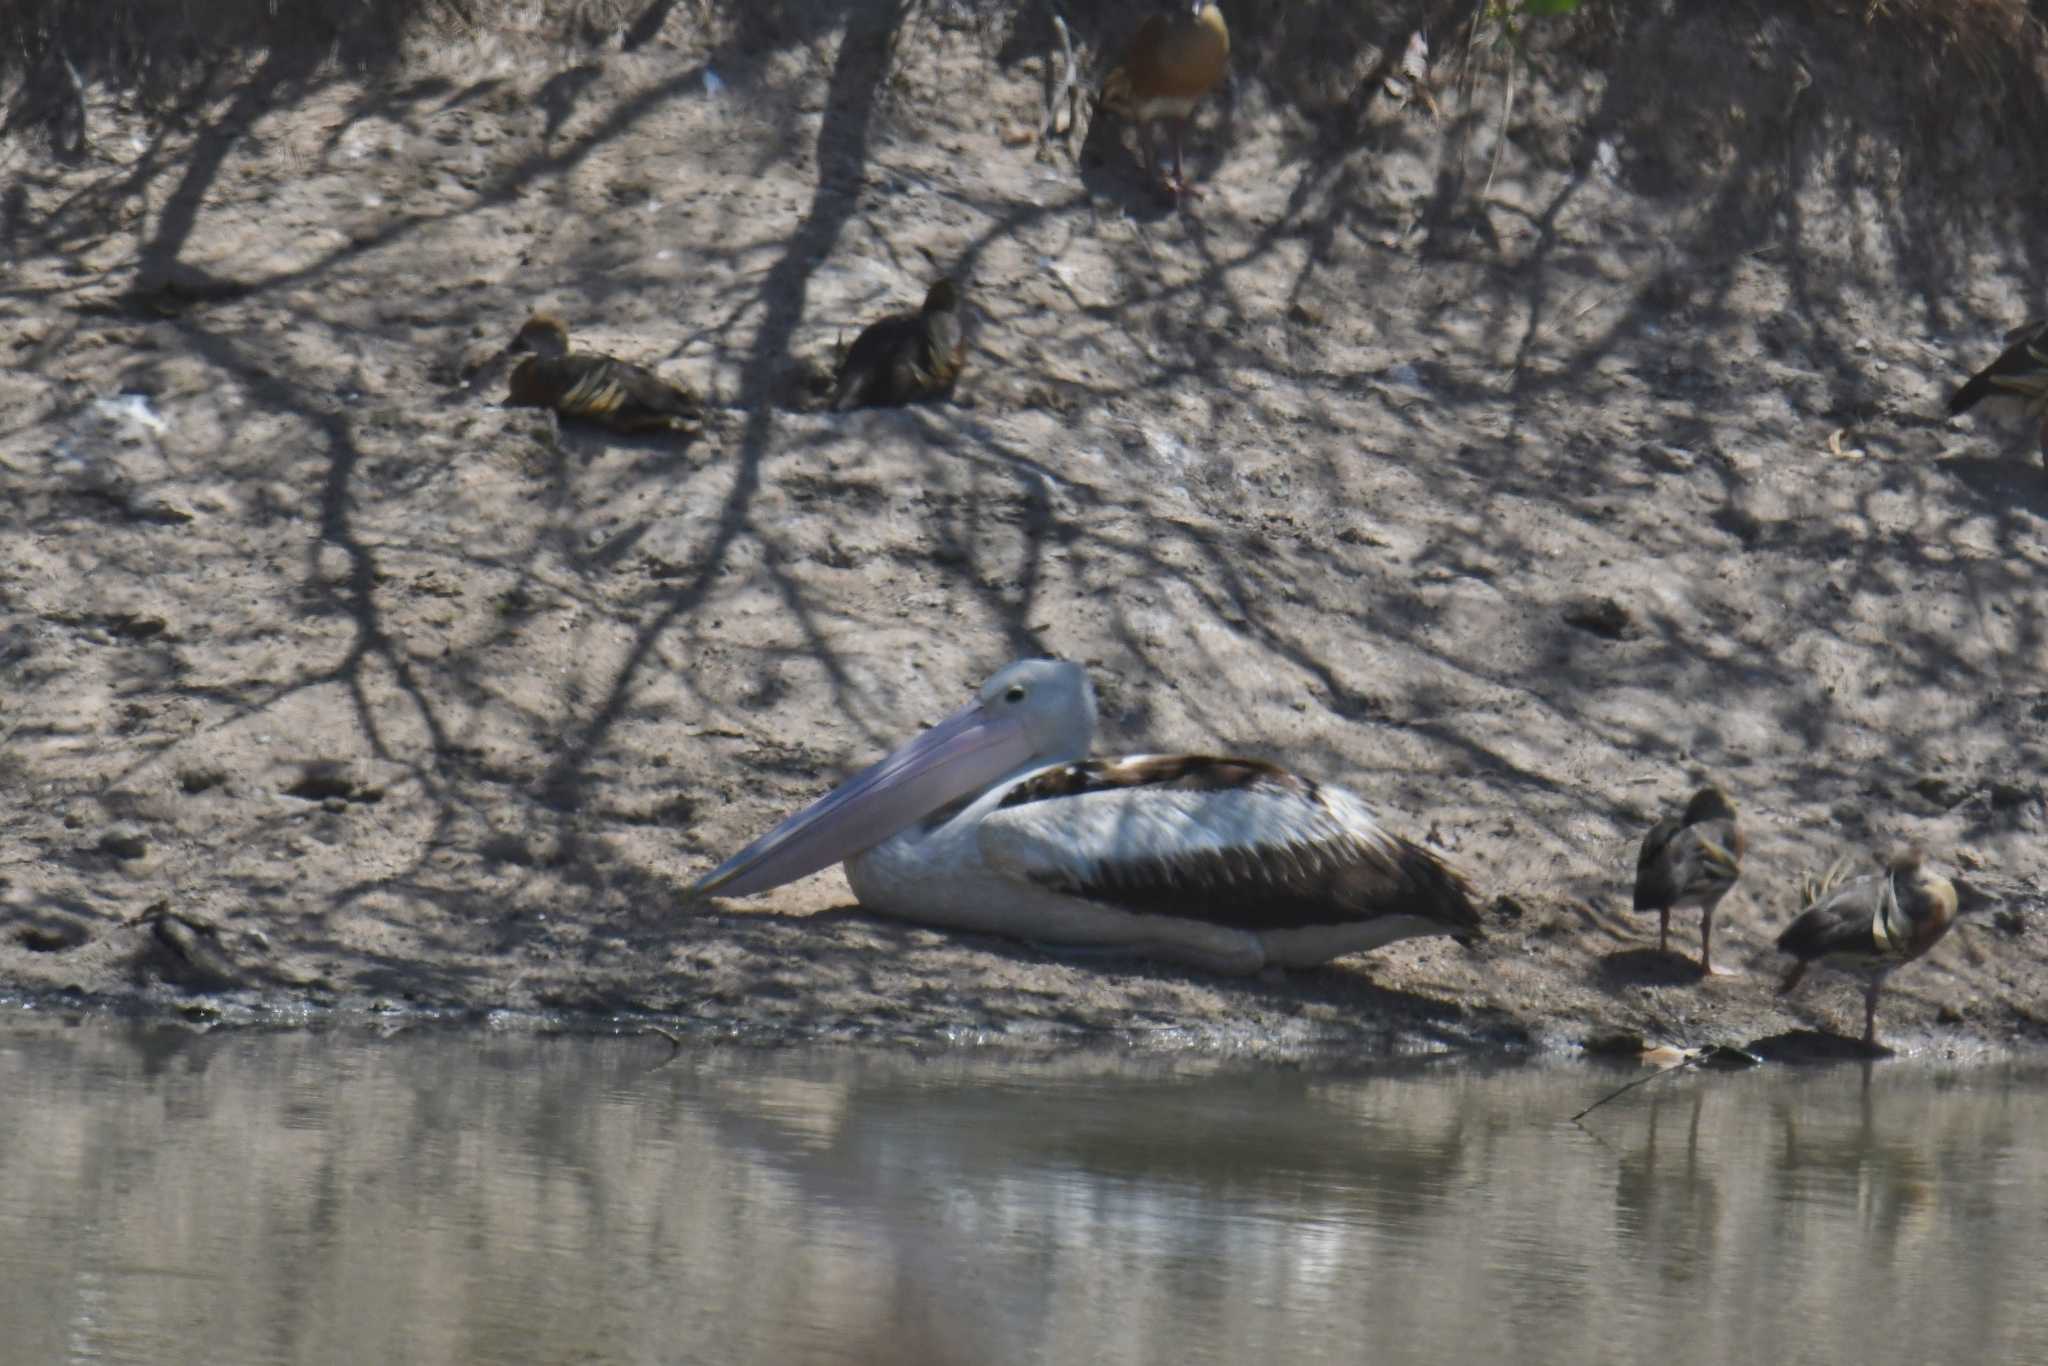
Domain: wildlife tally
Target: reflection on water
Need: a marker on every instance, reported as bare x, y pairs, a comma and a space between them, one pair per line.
170, 1197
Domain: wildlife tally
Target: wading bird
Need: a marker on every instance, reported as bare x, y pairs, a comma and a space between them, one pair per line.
1870, 927
1172, 62
1691, 859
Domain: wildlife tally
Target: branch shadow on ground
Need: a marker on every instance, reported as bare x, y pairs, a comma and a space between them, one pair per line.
1224, 537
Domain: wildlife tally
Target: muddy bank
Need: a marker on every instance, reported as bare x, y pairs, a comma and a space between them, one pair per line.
1517, 465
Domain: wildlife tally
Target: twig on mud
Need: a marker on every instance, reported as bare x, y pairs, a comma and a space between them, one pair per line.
1719, 1055
78, 93
1639, 1081
1066, 89
1500, 141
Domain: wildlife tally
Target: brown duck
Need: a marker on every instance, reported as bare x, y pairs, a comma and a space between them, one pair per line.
1688, 860
906, 356
1870, 926
594, 388
2016, 384
1172, 62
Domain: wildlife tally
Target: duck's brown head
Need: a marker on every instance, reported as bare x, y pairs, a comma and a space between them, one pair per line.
1923, 904
543, 334
1709, 804
1917, 882
942, 297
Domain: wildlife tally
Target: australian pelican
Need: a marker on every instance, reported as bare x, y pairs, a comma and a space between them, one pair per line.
996, 821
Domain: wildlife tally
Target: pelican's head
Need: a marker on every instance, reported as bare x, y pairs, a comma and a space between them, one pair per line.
1032, 713
1051, 700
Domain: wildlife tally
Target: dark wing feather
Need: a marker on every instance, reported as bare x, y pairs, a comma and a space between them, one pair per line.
1655, 884
2021, 369
599, 389
1841, 926
1164, 772
867, 375
1689, 863
1231, 842
900, 359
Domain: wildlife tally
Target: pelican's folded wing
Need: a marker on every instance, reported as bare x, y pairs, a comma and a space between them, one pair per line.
1233, 842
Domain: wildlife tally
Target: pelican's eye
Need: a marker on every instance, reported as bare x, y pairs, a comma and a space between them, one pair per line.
1015, 694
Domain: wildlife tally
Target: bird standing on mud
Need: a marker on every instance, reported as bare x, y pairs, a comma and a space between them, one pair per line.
906, 356
995, 821
1870, 927
1173, 61
594, 388
2016, 384
1691, 859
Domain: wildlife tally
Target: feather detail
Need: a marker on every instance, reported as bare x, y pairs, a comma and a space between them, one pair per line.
1690, 860
1870, 926
2020, 373
1233, 842
905, 357
594, 388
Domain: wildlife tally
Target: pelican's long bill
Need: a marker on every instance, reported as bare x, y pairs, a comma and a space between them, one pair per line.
964, 754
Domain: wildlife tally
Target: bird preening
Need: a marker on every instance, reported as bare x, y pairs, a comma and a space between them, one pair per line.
1690, 860
1870, 926
905, 357
585, 386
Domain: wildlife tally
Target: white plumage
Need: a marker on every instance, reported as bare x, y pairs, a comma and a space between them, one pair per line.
1227, 864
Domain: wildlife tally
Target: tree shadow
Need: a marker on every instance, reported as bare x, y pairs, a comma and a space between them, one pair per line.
1293, 483
1647, 968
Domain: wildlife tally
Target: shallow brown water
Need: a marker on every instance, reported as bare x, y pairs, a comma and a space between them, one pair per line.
176, 1197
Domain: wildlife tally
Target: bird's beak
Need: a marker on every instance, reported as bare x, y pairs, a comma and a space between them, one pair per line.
962, 755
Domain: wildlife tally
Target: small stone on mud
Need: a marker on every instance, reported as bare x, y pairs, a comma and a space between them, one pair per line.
124, 844
321, 780
50, 938
1939, 790
1602, 616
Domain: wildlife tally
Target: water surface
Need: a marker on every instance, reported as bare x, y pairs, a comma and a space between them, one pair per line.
168, 1196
